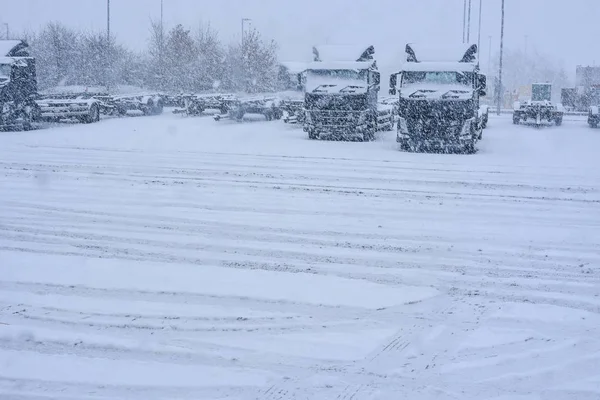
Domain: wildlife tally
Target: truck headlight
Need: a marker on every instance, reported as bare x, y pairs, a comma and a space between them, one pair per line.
402, 125
466, 128
308, 117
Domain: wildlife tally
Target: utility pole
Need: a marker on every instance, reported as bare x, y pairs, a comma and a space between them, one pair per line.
469, 24
6, 26
242, 52
107, 47
464, 21
161, 38
479, 29
108, 19
489, 68
501, 91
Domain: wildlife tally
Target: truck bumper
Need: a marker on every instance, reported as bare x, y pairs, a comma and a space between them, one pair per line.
336, 123
455, 138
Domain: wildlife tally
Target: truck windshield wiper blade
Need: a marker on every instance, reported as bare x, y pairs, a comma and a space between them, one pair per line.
318, 88
346, 88
421, 93
454, 93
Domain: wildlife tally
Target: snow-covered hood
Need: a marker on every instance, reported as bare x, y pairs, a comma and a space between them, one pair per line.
436, 92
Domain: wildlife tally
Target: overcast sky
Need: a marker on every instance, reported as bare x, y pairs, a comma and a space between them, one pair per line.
568, 30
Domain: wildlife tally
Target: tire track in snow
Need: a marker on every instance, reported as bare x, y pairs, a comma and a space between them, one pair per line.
486, 230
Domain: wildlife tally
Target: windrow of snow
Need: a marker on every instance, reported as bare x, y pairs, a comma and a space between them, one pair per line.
210, 280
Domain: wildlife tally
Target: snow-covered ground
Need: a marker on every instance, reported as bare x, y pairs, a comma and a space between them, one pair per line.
182, 258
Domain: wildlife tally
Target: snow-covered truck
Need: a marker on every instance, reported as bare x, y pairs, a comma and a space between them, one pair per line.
438, 106
341, 90
539, 109
20, 103
18, 86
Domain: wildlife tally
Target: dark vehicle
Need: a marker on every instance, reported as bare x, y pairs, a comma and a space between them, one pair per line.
18, 86
594, 116
586, 93
197, 104
438, 107
341, 93
238, 107
294, 111
539, 109
119, 105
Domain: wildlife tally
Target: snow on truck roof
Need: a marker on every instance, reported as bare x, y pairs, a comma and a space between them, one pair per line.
340, 65
438, 66
7, 46
294, 67
451, 53
13, 48
344, 52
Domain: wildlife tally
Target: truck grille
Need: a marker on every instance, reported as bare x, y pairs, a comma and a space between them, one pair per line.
335, 119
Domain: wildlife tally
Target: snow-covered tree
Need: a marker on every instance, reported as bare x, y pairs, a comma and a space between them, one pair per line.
57, 49
174, 61
181, 54
252, 66
209, 65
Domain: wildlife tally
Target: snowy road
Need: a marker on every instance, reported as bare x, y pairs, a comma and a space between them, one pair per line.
180, 258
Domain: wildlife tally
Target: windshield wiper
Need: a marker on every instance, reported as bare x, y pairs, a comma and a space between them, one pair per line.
317, 89
346, 88
421, 93
455, 94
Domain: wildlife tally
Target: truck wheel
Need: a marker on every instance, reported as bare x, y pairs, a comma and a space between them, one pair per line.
404, 146
558, 121
27, 119
516, 120
312, 134
593, 124
149, 109
158, 109
469, 147
93, 115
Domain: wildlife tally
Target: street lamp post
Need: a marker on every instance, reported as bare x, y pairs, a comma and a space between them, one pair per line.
464, 21
500, 91
161, 49
479, 29
469, 24
108, 19
244, 20
489, 68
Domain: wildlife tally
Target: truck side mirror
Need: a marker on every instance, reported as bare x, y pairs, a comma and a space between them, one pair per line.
393, 82
376, 78
482, 84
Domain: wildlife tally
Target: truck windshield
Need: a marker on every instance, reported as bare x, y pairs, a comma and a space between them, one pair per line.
437, 77
4, 71
346, 74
